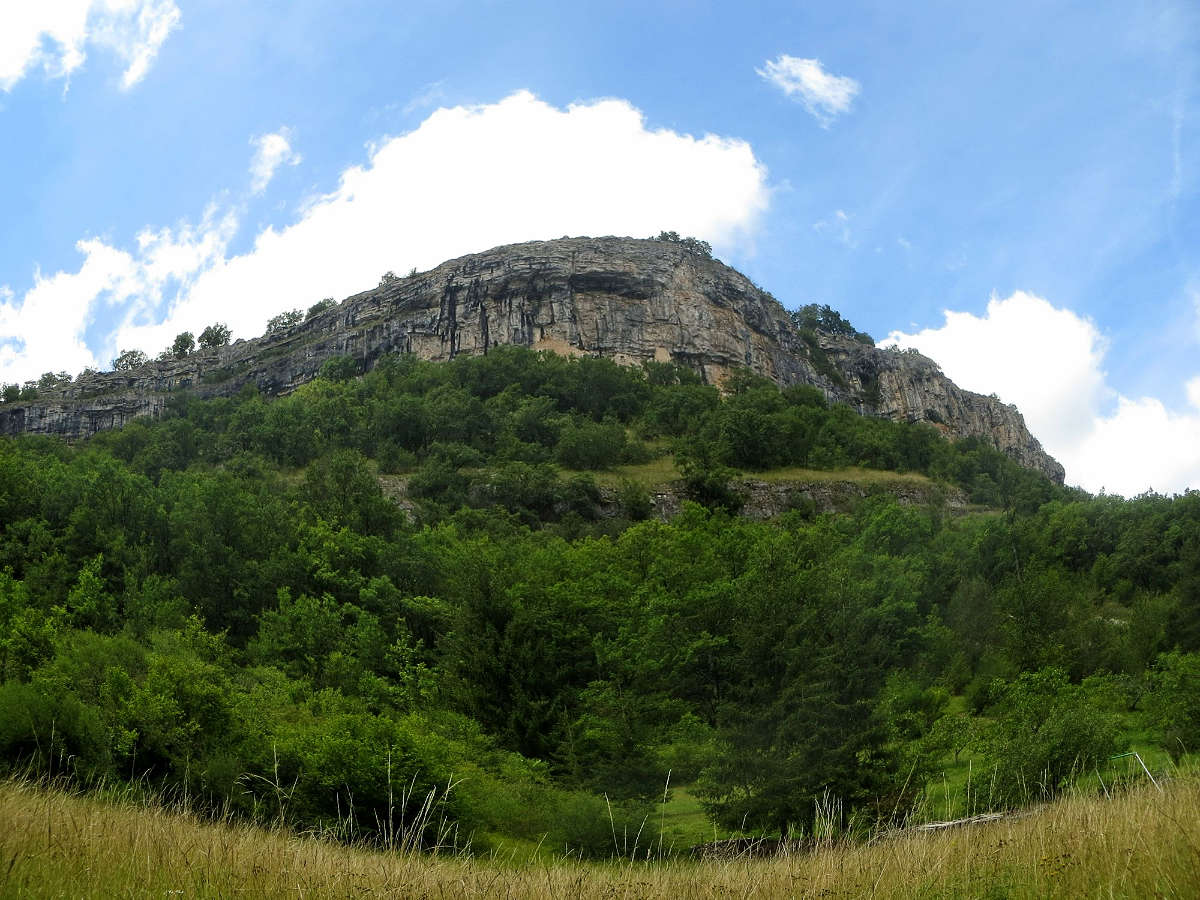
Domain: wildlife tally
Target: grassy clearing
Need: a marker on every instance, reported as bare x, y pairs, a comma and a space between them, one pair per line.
663, 470
658, 471
854, 474
1141, 843
683, 823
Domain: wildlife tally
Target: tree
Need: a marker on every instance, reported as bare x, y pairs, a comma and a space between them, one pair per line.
215, 335
821, 317
1175, 701
184, 344
319, 307
388, 277
798, 719
52, 380
284, 320
339, 368
129, 359
1045, 731
691, 244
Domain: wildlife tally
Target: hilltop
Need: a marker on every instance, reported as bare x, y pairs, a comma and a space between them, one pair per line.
632, 301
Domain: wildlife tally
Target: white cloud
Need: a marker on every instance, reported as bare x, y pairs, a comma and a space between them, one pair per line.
33, 338
468, 178
1048, 361
270, 152
837, 225
825, 96
55, 34
46, 330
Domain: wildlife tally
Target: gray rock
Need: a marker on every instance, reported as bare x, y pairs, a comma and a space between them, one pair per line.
630, 300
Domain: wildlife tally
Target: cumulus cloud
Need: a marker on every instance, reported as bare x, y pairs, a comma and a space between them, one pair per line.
270, 152
56, 35
45, 331
468, 178
824, 95
1049, 362
32, 333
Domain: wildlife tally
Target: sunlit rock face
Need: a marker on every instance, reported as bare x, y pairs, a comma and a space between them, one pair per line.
630, 300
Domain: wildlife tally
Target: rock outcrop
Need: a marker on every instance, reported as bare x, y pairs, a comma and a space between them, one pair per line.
630, 300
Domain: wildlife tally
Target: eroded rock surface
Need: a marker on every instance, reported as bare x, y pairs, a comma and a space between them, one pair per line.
630, 300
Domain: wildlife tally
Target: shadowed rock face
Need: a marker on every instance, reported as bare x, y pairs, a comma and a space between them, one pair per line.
630, 300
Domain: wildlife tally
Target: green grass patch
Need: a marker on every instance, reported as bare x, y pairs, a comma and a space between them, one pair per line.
682, 821
852, 474
649, 474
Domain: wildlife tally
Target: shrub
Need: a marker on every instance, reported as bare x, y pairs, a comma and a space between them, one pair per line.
1046, 730
284, 320
319, 307
1174, 702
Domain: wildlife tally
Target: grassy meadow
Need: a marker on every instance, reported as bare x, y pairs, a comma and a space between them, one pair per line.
1139, 843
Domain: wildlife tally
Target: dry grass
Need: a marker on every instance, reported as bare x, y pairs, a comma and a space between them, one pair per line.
663, 471
1140, 844
853, 474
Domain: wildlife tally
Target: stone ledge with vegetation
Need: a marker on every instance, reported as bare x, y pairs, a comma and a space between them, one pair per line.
633, 301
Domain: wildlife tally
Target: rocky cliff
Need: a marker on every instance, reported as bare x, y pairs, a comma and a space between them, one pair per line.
630, 300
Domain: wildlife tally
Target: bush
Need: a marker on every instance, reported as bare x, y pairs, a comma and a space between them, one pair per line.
284, 321
583, 444
635, 500
339, 368
1174, 702
1046, 731
319, 307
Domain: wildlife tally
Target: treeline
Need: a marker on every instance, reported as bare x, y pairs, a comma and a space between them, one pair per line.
224, 601
491, 428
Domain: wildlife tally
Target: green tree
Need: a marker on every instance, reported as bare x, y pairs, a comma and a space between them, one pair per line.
1174, 702
339, 368
129, 359
184, 344
284, 320
1046, 730
216, 335
319, 307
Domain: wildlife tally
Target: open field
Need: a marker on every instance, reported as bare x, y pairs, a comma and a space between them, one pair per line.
1142, 843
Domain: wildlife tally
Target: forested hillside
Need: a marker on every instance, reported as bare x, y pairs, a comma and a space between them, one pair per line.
224, 602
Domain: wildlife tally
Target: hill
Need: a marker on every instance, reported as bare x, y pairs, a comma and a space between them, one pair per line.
632, 301
222, 602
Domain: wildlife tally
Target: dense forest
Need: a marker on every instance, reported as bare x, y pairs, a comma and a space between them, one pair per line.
224, 602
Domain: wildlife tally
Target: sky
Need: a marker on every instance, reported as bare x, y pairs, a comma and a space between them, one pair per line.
1013, 189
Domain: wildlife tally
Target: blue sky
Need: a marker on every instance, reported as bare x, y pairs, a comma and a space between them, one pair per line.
1012, 188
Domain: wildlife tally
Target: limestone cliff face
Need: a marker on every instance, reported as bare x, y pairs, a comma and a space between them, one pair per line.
630, 300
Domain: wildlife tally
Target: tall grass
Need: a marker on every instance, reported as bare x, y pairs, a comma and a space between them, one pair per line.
1136, 843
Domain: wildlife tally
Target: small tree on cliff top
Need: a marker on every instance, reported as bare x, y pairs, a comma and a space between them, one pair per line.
216, 335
